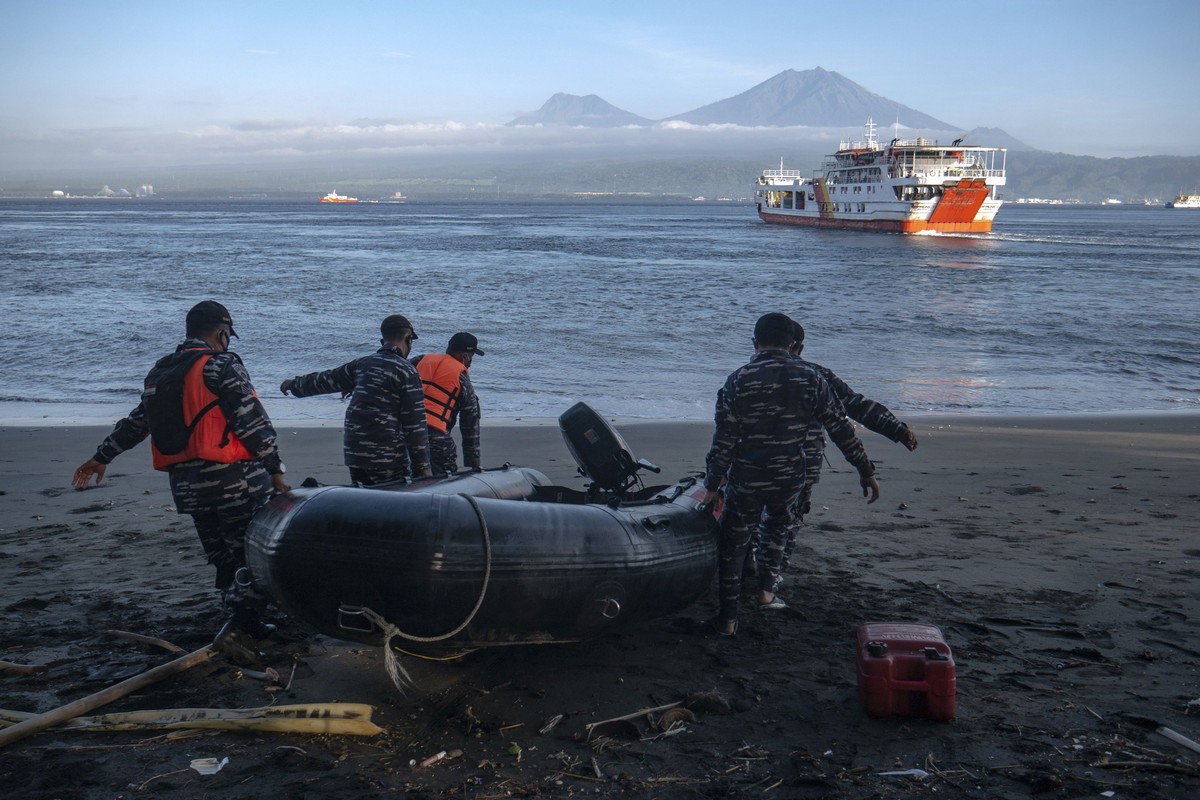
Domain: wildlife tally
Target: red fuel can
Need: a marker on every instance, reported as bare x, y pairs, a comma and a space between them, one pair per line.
905, 669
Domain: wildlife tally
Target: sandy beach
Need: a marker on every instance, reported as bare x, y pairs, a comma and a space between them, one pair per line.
1059, 555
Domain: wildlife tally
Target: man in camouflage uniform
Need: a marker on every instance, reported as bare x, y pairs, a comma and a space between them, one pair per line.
385, 438
765, 413
872, 415
220, 497
455, 402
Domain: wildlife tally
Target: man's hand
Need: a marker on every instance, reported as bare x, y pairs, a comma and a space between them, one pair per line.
710, 497
870, 487
909, 439
85, 472
425, 473
286, 387
280, 483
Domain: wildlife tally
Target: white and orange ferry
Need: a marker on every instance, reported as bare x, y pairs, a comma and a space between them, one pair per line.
334, 197
906, 186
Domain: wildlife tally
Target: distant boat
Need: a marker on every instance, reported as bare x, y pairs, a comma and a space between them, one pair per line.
1112, 201
1185, 201
334, 197
397, 197
905, 186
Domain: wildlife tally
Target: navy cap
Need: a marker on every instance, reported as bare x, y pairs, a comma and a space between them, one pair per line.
210, 312
396, 325
464, 342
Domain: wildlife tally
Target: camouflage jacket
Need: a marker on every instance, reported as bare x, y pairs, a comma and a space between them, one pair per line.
226, 377
466, 411
768, 414
385, 417
874, 416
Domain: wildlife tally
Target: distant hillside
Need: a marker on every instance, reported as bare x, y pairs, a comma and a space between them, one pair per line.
588, 111
994, 137
814, 97
1066, 177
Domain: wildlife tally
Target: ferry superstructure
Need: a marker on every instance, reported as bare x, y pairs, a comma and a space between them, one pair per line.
905, 186
1185, 201
334, 197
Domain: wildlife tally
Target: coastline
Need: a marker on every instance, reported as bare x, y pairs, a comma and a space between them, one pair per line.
1056, 552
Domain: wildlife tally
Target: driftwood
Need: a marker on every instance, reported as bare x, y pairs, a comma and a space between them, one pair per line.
61, 714
150, 640
22, 669
352, 719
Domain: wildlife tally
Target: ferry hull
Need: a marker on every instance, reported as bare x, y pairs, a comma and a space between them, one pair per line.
888, 225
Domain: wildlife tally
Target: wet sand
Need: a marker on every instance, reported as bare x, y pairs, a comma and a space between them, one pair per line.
1060, 556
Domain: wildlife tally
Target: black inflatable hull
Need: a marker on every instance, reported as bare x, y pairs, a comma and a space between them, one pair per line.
415, 555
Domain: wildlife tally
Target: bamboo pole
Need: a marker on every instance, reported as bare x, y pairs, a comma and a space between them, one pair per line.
63, 713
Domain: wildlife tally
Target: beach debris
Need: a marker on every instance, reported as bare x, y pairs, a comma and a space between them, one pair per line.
209, 766
57, 716
674, 717
607, 727
1163, 730
441, 755
919, 774
1120, 487
22, 669
1192, 705
149, 640
549, 724
709, 703
514, 749
1178, 738
338, 719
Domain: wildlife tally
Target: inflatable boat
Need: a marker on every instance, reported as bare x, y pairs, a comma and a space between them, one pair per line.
496, 557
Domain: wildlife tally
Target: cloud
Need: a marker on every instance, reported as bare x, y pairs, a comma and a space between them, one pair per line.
284, 141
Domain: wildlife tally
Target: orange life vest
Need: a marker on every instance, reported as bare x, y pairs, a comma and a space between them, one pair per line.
441, 378
210, 440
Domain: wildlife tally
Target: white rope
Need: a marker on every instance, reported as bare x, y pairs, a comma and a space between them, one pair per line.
396, 671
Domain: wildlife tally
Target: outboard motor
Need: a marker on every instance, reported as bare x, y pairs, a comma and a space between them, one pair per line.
600, 452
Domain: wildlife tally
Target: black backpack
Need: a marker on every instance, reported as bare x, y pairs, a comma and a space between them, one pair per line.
162, 399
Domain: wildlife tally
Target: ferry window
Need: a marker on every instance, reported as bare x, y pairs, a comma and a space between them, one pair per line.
787, 199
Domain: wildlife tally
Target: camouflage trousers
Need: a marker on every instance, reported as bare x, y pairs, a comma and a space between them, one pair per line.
375, 477
443, 453
756, 556
221, 499
750, 514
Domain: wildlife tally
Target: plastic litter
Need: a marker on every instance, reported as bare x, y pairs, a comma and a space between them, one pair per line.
919, 774
209, 766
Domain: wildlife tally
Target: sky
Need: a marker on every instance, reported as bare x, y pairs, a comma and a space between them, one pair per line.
93, 82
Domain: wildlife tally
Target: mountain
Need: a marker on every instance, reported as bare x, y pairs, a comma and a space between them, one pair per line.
588, 111
815, 98
994, 137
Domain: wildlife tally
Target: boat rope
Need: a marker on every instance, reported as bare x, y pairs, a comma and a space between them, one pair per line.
396, 671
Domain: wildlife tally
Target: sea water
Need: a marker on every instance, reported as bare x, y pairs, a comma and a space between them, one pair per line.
639, 309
